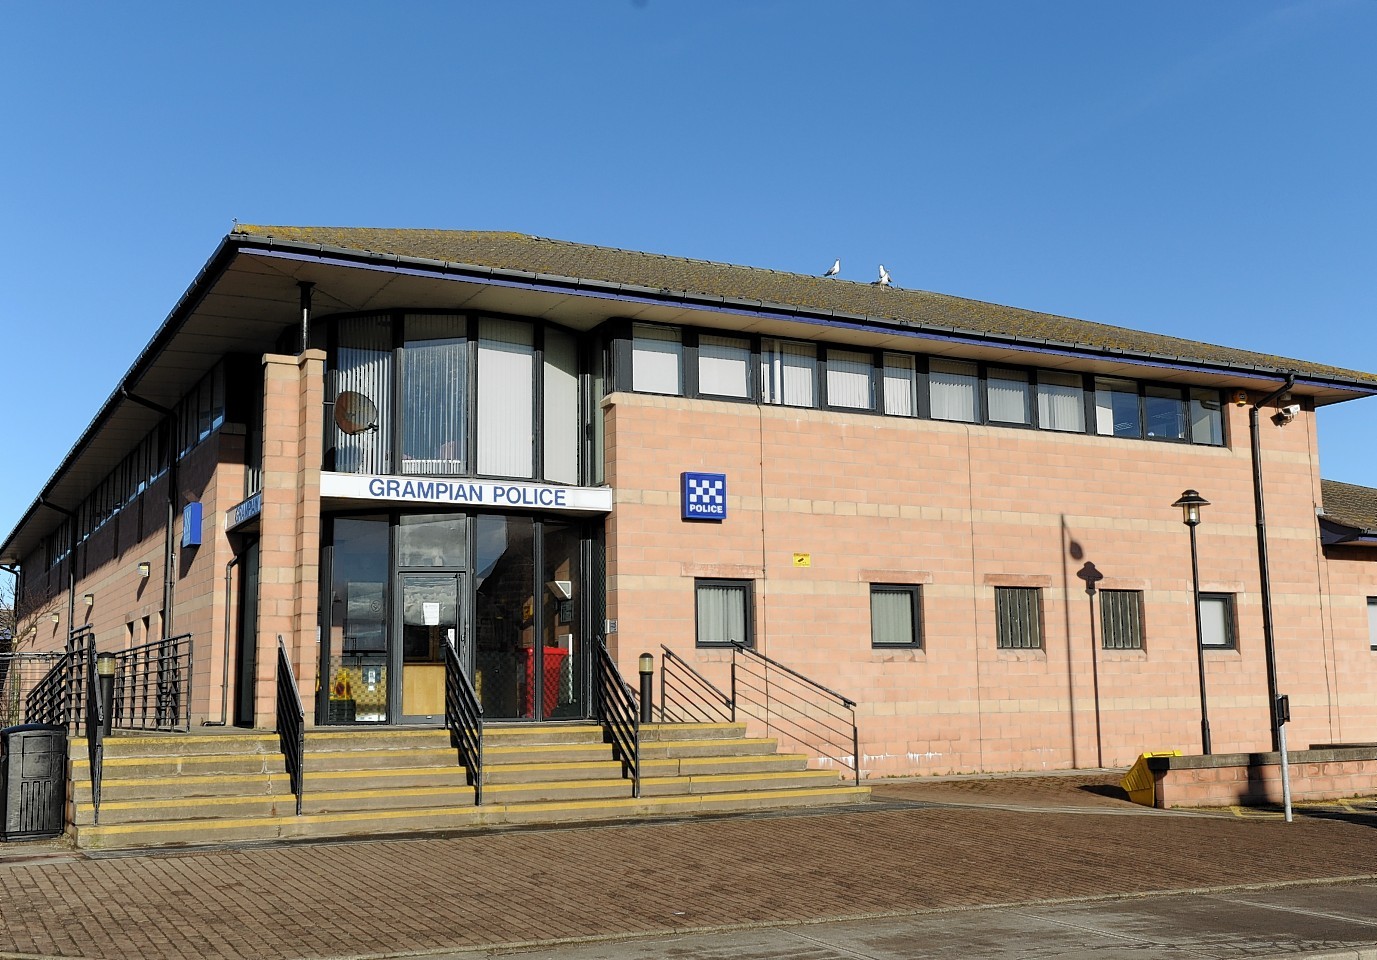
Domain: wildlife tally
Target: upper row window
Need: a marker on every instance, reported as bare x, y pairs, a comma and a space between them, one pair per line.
802, 374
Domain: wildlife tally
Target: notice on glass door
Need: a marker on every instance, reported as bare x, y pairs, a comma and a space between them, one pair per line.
430, 613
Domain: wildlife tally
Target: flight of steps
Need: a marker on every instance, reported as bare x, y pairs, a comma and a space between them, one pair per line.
163, 790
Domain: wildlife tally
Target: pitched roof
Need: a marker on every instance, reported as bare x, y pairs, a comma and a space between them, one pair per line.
1350, 505
791, 291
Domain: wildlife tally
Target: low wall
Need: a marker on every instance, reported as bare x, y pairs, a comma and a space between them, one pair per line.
1248, 779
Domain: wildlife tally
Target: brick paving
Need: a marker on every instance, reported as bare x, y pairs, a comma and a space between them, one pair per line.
390, 896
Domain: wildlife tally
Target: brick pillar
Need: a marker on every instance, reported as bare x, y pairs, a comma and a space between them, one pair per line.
289, 526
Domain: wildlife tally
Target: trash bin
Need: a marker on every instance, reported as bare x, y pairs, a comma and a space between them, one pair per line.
33, 781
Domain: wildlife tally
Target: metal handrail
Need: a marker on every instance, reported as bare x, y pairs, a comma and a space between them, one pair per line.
153, 685
96, 709
291, 722
809, 716
47, 701
620, 716
686, 696
464, 720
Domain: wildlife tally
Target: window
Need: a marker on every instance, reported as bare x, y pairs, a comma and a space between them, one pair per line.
506, 367
1372, 622
788, 372
1217, 620
1061, 401
434, 377
724, 612
1121, 619
895, 615
655, 356
1006, 396
1018, 618
900, 385
561, 400
951, 387
848, 379
1165, 410
724, 365
1207, 418
1116, 408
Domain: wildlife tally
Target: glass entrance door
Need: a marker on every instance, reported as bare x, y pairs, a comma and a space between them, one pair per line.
429, 622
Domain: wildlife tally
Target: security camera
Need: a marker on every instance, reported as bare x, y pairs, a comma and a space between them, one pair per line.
1290, 410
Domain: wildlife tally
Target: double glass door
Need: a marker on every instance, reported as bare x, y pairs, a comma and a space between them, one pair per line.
504, 590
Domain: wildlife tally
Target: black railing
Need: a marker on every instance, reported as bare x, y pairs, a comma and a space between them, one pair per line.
464, 720
95, 728
620, 717
802, 709
153, 685
20, 674
291, 722
686, 696
60, 697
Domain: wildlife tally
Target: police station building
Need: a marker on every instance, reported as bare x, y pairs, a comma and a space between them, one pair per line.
962, 516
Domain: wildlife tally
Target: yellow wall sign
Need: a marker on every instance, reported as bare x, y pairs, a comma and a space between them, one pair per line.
803, 559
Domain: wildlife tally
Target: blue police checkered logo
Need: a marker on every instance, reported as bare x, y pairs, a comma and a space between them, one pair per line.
704, 496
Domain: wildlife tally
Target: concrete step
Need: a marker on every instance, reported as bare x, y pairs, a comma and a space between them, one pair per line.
706, 765
736, 782
121, 745
497, 753
652, 732
552, 771
142, 767
375, 738
742, 746
259, 784
282, 825
379, 759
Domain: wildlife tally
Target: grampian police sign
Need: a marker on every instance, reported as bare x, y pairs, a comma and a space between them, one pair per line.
704, 496
465, 493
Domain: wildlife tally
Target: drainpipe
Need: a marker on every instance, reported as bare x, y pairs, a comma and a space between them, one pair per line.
1268, 637
224, 674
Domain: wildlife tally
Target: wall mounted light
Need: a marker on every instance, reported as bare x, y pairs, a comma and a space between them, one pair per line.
56, 618
89, 599
144, 570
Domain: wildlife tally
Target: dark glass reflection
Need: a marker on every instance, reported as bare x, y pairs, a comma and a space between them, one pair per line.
504, 611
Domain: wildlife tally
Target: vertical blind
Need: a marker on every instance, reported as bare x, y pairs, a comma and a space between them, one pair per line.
848, 379
364, 366
434, 391
900, 383
892, 616
1214, 622
1061, 401
1372, 622
506, 364
1007, 396
722, 613
951, 386
787, 372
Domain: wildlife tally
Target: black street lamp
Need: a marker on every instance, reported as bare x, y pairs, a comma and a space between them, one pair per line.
1190, 504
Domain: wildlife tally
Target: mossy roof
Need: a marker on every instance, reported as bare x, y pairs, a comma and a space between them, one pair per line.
733, 284
1350, 504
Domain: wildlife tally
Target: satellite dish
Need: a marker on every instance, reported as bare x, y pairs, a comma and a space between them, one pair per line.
355, 413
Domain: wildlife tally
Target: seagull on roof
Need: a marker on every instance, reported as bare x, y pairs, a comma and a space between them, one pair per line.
835, 269
884, 280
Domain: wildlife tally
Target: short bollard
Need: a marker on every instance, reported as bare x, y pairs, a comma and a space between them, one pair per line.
105, 671
647, 664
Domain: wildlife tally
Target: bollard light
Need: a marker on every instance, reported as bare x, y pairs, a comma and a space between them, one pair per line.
647, 665
105, 671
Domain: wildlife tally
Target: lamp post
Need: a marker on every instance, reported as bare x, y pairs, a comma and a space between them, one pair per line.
1190, 503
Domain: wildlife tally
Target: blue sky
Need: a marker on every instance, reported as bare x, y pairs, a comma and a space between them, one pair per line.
1196, 169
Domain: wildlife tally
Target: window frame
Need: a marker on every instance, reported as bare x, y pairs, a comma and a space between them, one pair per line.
747, 588
1003, 639
1230, 620
915, 594
1372, 623
1111, 621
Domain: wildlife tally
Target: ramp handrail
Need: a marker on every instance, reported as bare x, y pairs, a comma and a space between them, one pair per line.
153, 685
291, 722
464, 720
621, 720
96, 708
801, 708
686, 696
